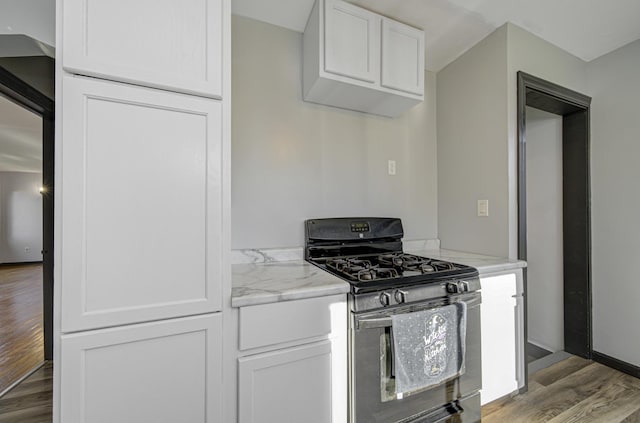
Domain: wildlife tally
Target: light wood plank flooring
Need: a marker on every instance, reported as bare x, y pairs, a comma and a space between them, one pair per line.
31, 400
573, 390
21, 334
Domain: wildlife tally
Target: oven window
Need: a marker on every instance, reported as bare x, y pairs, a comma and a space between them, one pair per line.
387, 377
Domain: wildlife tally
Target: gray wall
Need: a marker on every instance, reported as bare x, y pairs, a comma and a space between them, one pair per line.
533, 55
614, 82
472, 148
293, 160
545, 278
35, 18
20, 217
477, 158
477, 135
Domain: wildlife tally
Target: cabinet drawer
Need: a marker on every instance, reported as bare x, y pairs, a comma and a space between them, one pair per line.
269, 324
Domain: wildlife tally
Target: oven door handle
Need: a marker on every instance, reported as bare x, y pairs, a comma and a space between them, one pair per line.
385, 321
374, 322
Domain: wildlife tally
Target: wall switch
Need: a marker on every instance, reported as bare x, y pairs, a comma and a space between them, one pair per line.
483, 208
392, 167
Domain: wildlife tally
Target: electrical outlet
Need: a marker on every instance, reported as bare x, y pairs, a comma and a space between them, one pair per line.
483, 208
392, 167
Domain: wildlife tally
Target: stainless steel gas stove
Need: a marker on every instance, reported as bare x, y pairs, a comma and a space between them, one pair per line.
414, 330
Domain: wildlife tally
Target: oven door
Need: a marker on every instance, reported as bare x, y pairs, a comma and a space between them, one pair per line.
372, 395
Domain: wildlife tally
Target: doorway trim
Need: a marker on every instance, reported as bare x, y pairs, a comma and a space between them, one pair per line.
574, 107
28, 97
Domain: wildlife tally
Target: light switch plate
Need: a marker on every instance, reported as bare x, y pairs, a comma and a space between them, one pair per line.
483, 208
392, 167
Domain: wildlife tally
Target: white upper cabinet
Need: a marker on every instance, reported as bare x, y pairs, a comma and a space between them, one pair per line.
358, 60
178, 47
141, 204
402, 57
351, 41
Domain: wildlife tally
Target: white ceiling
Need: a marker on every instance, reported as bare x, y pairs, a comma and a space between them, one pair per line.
20, 139
586, 28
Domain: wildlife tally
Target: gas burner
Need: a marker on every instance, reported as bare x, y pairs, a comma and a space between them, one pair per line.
349, 265
361, 270
373, 273
442, 265
402, 260
393, 259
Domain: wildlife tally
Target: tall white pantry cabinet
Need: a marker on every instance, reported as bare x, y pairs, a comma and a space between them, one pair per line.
142, 209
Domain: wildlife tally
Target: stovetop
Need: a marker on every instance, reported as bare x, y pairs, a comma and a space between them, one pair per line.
375, 272
367, 253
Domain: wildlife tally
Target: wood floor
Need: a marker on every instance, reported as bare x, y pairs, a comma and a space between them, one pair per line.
31, 400
21, 335
573, 390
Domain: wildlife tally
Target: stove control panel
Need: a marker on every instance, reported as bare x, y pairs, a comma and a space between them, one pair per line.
399, 296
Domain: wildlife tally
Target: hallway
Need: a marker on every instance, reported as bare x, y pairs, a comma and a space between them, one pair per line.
21, 332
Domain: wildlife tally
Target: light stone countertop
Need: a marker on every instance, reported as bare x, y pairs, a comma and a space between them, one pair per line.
273, 281
484, 264
260, 277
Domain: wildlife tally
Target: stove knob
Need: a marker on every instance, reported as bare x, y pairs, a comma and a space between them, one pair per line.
453, 288
400, 296
385, 299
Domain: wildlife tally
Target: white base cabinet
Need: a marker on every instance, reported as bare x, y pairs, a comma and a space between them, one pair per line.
161, 372
279, 385
503, 361
292, 363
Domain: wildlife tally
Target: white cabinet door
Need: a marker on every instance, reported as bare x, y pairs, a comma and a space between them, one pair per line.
160, 372
141, 204
286, 385
171, 44
402, 57
352, 41
499, 336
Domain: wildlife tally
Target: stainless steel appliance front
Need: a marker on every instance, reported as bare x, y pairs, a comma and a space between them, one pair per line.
372, 386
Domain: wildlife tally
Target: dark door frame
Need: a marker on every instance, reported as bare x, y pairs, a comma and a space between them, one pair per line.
575, 110
28, 97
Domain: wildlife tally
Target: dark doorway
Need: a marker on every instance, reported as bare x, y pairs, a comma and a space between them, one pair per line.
574, 109
32, 99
